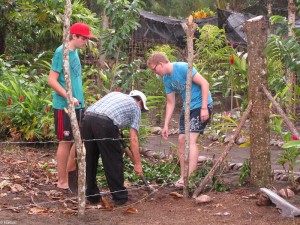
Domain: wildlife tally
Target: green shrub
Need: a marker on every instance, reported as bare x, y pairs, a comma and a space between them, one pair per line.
25, 104
159, 173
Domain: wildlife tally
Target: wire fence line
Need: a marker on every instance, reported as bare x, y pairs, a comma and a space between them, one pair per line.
72, 141
102, 193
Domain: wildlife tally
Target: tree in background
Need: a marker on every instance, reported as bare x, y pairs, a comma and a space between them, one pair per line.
5, 9
32, 27
122, 21
290, 75
177, 8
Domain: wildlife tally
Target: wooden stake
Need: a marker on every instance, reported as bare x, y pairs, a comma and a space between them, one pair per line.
260, 153
71, 112
189, 30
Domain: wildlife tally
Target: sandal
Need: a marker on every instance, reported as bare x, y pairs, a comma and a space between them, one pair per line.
179, 183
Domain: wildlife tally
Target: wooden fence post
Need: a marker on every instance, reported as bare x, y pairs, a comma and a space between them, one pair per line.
71, 112
189, 29
260, 156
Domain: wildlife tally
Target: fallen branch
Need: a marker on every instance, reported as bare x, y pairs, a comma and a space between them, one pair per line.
281, 112
224, 153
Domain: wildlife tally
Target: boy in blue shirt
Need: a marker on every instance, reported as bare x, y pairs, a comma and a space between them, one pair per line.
174, 77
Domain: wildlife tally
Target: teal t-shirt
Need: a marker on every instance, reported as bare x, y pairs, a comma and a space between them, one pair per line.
176, 82
60, 102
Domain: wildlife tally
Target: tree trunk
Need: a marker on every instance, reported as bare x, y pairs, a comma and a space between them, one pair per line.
100, 46
93, 6
290, 74
189, 30
260, 162
3, 28
71, 112
101, 60
2, 39
270, 13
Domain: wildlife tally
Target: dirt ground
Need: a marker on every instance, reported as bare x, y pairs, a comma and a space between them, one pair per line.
28, 195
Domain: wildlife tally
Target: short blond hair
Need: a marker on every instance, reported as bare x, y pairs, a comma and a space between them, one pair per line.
157, 57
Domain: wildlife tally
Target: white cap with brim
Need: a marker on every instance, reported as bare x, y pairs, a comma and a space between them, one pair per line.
141, 95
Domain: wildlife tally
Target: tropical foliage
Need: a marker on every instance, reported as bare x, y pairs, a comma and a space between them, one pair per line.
32, 27
123, 16
176, 8
25, 104
289, 158
285, 50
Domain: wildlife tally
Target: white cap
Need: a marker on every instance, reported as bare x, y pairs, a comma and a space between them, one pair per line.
141, 95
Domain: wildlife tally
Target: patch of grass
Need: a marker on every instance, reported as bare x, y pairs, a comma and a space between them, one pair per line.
160, 172
245, 172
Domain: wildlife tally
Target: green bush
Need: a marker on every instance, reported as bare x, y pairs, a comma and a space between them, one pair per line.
25, 104
159, 173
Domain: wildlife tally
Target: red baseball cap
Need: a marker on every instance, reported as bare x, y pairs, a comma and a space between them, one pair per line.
81, 29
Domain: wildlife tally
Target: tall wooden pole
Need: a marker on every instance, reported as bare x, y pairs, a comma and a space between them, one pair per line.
189, 28
260, 156
71, 112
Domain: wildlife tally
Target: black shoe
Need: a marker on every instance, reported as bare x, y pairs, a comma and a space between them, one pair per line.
94, 200
93, 195
121, 201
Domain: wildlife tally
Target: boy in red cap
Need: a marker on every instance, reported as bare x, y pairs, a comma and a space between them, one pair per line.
79, 35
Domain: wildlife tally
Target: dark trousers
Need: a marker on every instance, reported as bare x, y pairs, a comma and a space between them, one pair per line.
111, 154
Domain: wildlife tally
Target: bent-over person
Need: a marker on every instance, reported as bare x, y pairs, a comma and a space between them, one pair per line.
101, 129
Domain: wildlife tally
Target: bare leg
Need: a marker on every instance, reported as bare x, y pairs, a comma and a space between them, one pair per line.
181, 140
71, 171
62, 155
193, 153
71, 166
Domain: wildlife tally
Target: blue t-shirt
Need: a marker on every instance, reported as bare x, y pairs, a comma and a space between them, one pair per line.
60, 102
176, 82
